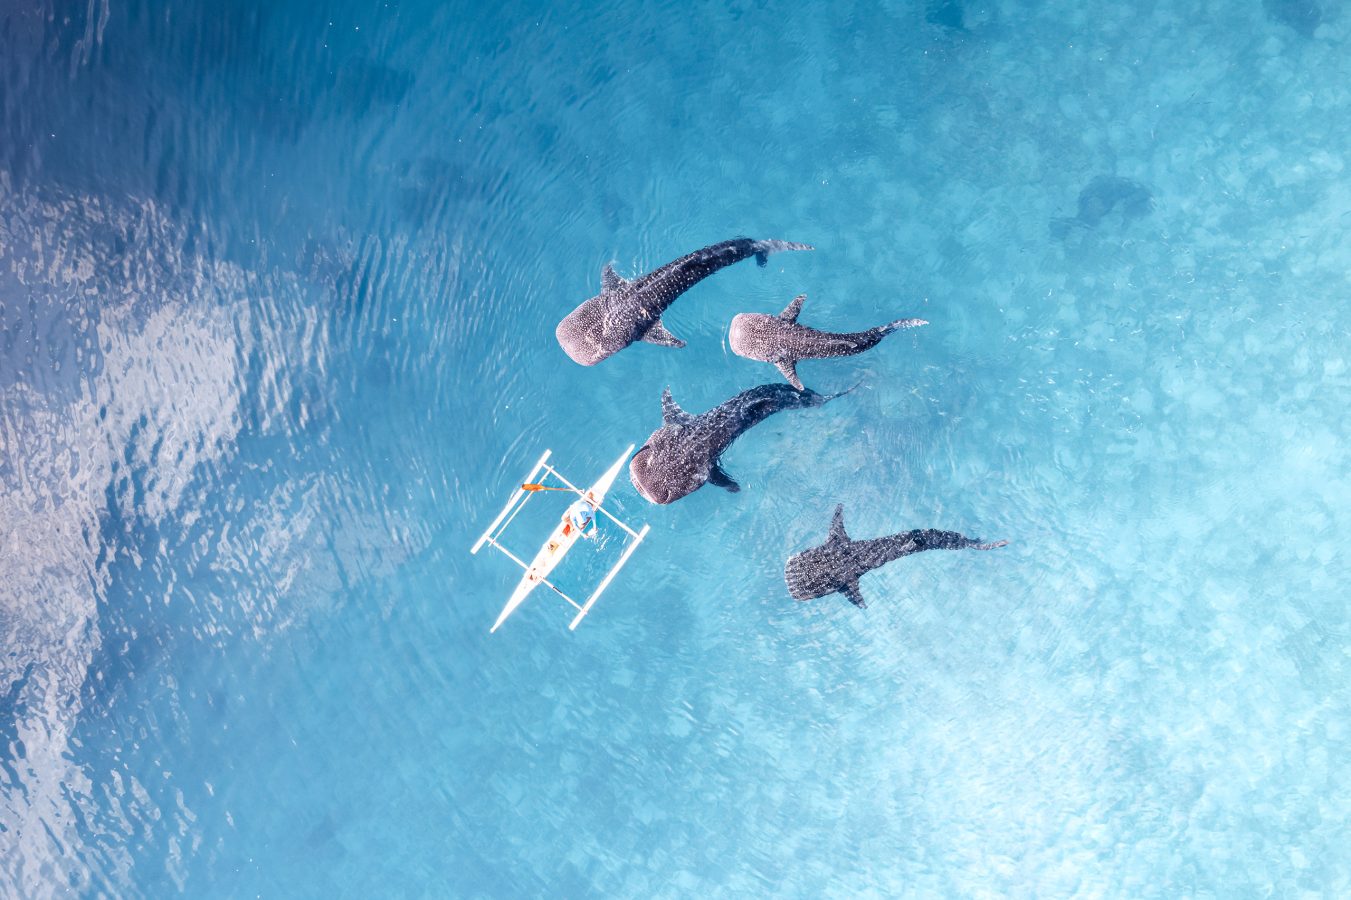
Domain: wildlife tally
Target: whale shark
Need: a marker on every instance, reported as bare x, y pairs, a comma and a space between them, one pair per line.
682, 455
837, 565
629, 310
782, 341
1102, 195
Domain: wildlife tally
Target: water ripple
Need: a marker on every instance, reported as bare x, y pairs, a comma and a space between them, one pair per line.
277, 296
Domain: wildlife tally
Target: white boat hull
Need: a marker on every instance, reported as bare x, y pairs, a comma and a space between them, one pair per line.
560, 541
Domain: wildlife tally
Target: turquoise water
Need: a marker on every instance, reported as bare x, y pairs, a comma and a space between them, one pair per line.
278, 290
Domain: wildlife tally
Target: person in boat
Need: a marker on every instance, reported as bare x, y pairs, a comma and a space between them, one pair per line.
579, 516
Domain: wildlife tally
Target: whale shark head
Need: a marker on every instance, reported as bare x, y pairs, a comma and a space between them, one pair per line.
825, 569
807, 574
749, 336
661, 473
581, 334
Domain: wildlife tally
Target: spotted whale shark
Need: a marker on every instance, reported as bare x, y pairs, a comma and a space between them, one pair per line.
782, 341
837, 565
629, 310
683, 454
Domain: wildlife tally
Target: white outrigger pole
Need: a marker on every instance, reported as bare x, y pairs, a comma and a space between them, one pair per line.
564, 536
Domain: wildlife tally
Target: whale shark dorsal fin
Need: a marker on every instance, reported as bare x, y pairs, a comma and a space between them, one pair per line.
789, 369
791, 311
671, 413
657, 334
854, 593
609, 279
837, 532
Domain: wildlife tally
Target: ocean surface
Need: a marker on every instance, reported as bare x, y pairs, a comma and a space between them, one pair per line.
278, 285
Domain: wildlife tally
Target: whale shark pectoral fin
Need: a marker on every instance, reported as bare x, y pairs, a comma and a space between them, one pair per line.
791, 311
657, 334
854, 593
789, 370
837, 532
719, 478
671, 413
609, 279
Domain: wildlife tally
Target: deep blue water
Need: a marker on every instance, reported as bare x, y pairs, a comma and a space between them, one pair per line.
278, 288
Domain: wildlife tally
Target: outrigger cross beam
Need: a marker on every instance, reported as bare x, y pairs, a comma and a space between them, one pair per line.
564, 536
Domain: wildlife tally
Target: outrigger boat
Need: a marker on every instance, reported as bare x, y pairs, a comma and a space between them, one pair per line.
564, 536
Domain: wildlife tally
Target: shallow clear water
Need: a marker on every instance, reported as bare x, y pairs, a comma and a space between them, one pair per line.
278, 290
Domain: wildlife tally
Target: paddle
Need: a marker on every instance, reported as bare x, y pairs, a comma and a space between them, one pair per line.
542, 487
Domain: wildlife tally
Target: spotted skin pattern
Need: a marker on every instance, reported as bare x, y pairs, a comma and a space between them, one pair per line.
682, 455
627, 310
782, 341
837, 565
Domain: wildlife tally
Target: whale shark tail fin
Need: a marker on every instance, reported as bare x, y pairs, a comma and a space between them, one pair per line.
903, 323
871, 337
848, 390
932, 539
764, 248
